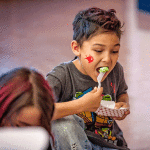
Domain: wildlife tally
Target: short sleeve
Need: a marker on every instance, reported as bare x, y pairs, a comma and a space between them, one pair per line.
122, 88
56, 80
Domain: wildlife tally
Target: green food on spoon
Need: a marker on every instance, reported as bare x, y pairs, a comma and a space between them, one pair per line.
103, 69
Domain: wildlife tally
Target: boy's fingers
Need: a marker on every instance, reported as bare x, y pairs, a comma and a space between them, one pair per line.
119, 104
125, 106
127, 112
123, 117
94, 90
100, 91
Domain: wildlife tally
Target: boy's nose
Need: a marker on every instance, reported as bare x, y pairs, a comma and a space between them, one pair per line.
106, 58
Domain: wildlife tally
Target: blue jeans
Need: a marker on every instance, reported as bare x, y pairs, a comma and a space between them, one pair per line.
69, 135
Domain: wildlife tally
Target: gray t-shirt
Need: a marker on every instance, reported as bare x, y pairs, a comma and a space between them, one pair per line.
69, 83
66, 80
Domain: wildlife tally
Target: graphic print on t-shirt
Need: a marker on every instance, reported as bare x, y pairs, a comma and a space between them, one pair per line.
101, 125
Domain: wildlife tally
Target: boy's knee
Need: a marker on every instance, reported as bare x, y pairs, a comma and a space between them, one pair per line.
68, 120
67, 124
71, 131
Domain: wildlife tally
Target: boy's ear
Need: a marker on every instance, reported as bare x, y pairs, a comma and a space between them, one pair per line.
75, 48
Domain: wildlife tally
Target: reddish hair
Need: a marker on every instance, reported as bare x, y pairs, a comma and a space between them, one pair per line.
9, 92
22, 87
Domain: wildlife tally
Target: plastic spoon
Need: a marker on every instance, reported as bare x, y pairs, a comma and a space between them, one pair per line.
102, 71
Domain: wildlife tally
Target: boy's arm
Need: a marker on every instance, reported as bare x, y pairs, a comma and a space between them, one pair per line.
122, 101
88, 102
124, 98
66, 108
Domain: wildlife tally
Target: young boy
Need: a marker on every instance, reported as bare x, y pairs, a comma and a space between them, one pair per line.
96, 44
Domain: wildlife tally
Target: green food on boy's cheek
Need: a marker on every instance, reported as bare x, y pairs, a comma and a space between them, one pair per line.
103, 69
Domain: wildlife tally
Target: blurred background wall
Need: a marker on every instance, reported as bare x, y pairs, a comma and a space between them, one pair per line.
38, 34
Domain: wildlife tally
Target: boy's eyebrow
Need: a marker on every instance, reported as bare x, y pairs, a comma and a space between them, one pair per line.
26, 124
118, 44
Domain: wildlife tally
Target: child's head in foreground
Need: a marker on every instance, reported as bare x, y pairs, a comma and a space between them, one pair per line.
25, 99
96, 40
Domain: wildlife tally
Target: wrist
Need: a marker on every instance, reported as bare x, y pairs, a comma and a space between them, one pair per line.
79, 105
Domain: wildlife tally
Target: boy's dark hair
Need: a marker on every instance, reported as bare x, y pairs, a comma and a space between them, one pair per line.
88, 22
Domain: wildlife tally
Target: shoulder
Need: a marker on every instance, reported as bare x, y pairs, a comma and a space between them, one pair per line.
118, 66
60, 69
57, 78
117, 72
60, 73
118, 69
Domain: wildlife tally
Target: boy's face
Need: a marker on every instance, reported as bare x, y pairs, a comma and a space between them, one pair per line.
101, 50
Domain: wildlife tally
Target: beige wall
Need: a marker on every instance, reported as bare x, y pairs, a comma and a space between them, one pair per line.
39, 34
138, 71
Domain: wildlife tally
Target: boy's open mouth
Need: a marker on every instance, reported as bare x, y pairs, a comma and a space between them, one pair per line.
99, 68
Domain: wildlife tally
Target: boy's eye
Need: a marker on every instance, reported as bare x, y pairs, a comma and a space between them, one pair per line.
98, 51
115, 51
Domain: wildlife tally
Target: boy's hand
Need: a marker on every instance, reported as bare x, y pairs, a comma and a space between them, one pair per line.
123, 105
91, 101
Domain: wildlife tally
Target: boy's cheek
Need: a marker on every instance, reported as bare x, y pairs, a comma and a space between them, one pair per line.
89, 58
